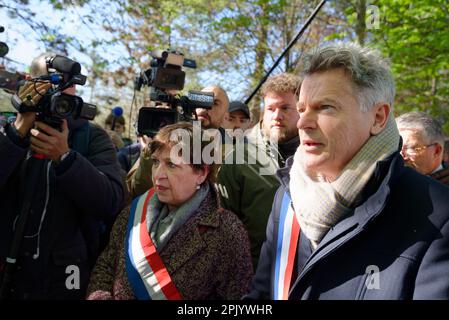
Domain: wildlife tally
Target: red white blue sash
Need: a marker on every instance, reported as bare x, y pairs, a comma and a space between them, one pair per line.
287, 242
146, 271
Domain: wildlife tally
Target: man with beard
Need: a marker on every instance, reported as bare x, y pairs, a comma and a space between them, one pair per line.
139, 177
423, 144
212, 118
247, 182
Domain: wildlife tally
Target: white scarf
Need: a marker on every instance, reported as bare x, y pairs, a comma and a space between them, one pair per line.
319, 205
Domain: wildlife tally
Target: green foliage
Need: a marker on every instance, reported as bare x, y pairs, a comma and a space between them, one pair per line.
235, 42
414, 35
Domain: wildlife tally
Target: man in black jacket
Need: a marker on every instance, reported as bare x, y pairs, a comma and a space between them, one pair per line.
79, 190
349, 220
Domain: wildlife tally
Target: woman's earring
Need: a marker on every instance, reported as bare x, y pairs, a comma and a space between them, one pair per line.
198, 186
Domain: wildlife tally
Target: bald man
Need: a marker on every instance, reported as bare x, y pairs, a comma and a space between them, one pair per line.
212, 118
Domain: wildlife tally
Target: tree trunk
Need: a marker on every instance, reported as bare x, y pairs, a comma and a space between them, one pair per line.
259, 71
360, 28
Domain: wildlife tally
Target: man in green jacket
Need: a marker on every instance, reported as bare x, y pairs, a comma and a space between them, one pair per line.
246, 180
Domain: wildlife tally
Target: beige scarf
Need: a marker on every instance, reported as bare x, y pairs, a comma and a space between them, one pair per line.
319, 205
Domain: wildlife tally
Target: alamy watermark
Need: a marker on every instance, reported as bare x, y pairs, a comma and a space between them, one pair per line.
373, 277
72, 282
372, 20
374, 15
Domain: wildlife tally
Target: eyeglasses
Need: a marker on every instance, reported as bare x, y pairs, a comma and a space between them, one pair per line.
414, 151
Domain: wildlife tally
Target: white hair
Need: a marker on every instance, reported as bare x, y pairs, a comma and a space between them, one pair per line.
368, 70
430, 128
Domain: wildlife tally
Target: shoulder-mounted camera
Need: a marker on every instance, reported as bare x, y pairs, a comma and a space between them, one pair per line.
165, 76
55, 105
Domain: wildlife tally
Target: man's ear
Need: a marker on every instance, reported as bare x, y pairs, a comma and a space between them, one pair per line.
438, 150
381, 113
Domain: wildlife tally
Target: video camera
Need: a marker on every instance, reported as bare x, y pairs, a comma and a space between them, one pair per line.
56, 105
166, 74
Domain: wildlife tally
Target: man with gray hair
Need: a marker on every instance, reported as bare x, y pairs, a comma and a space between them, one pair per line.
349, 220
423, 143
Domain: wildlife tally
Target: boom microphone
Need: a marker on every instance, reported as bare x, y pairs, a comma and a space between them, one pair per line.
292, 42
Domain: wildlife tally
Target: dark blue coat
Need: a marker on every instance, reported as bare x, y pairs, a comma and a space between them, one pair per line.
128, 155
83, 193
401, 230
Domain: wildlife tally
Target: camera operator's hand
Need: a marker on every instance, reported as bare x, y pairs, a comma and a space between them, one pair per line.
49, 141
24, 122
31, 93
144, 141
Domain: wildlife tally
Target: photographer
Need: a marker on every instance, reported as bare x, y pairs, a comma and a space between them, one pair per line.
77, 192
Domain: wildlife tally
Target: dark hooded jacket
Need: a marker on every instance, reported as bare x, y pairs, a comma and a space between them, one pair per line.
395, 245
72, 200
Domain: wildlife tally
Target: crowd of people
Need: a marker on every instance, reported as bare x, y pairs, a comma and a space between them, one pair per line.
328, 196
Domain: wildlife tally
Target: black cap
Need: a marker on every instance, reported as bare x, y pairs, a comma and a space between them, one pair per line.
239, 106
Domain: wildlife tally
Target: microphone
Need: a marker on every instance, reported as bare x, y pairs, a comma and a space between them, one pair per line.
116, 112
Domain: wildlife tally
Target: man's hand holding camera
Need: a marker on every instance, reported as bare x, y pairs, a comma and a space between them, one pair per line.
45, 140
50, 142
30, 93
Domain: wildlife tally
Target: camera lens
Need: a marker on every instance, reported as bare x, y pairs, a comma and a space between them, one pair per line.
63, 106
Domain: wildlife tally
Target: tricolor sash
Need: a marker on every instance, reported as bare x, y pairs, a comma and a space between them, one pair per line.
287, 242
146, 271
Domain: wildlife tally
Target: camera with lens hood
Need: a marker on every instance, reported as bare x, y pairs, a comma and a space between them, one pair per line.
55, 105
164, 77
